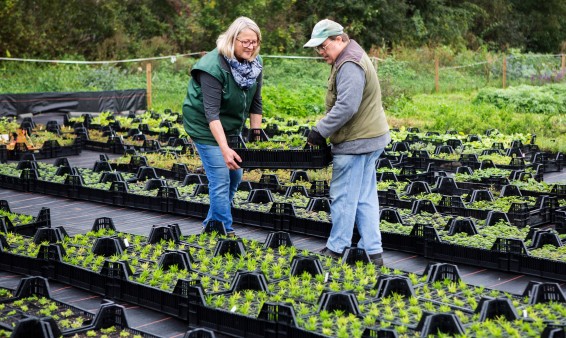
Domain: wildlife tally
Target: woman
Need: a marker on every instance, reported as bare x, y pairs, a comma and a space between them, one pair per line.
224, 89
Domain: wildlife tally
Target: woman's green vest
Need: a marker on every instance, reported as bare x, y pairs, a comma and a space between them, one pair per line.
234, 106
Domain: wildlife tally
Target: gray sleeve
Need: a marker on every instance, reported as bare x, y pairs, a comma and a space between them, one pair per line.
350, 83
257, 104
211, 95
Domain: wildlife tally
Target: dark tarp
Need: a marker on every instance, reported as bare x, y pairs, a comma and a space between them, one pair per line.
113, 100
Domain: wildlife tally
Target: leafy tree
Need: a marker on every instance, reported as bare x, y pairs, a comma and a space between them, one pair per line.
542, 23
359, 17
116, 29
496, 26
442, 22
53, 28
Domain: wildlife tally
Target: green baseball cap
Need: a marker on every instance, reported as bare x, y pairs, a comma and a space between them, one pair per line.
322, 30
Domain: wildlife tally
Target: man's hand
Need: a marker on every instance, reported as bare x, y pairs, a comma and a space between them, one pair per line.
315, 139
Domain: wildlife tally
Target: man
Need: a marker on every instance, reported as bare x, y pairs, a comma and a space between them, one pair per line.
356, 125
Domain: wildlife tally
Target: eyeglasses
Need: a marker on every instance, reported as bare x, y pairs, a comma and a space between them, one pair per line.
248, 43
321, 48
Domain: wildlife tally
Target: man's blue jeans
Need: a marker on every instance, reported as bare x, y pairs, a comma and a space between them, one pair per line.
222, 184
353, 191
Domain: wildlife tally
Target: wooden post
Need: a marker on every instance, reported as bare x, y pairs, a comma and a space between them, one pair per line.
436, 77
148, 86
488, 68
504, 71
563, 68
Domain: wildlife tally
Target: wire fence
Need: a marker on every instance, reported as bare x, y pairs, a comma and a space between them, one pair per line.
426, 75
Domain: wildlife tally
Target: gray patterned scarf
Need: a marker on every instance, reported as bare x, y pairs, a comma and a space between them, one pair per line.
245, 73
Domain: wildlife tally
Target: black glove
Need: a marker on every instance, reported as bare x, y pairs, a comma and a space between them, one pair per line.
316, 139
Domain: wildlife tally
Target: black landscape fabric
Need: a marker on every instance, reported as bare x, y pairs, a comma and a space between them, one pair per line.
114, 100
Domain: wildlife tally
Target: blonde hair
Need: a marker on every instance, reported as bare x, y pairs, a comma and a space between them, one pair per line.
225, 42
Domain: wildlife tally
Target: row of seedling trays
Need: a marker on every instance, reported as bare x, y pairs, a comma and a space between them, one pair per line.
294, 209
468, 146
493, 142
120, 141
421, 159
31, 311
248, 288
49, 149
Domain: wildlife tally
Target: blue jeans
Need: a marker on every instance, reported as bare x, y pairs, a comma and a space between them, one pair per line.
222, 184
353, 191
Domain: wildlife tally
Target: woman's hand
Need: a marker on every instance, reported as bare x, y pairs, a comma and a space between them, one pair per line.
231, 158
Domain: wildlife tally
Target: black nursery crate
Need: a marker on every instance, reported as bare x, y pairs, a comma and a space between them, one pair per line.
541, 267
50, 149
149, 297
428, 176
3, 153
253, 217
23, 264
515, 164
14, 183
188, 208
170, 174
309, 227
390, 198
228, 323
95, 195
532, 216
79, 277
43, 219
408, 174
148, 146
496, 182
558, 190
136, 162
51, 188
264, 220
144, 202
394, 158
285, 159
462, 211
402, 242
69, 189
551, 163
20, 150
103, 147
453, 253
132, 332
72, 150
111, 146
29, 330
560, 220
444, 165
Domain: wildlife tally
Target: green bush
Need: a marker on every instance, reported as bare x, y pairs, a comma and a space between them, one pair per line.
550, 99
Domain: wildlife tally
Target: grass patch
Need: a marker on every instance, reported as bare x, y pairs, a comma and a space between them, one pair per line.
440, 112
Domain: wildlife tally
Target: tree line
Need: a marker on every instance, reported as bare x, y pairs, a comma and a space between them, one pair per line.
120, 29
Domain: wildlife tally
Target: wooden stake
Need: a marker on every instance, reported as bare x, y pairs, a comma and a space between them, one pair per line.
148, 86
488, 69
436, 76
374, 61
504, 71
563, 63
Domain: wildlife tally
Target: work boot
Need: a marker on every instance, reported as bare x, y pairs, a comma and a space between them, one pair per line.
327, 252
376, 259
